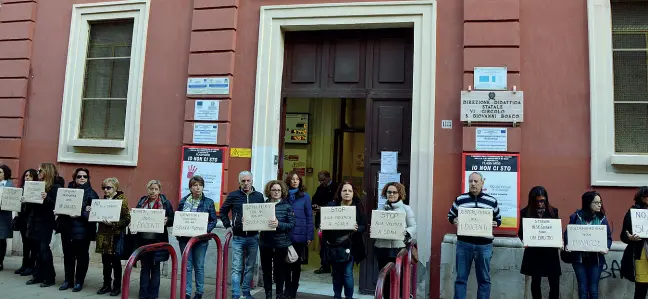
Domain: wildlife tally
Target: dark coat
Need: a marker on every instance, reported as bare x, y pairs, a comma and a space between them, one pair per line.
357, 242
539, 261
5, 220
234, 203
302, 207
633, 250
160, 255
279, 238
40, 223
206, 205
79, 228
106, 234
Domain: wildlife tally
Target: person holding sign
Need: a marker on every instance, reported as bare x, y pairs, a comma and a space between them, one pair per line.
5, 216
29, 252
387, 249
108, 235
345, 247
150, 261
274, 244
40, 226
478, 248
539, 262
589, 265
634, 264
77, 233
245, 244
197, 202
303, 232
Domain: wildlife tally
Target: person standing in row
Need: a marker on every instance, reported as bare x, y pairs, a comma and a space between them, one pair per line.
274, 244
245, 244
323, 197
5, 216
29, 252
197, 202
634, 263
77, 233
539, 262
469, 248
107, 238
303, 232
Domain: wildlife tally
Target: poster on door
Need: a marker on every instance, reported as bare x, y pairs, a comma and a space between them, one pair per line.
501, 174
294, 159
206, 162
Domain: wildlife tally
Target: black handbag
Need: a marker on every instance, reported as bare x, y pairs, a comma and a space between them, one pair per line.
124, 245
567, 257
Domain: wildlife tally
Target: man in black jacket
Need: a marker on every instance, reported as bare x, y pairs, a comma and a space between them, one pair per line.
323, 197
242, 241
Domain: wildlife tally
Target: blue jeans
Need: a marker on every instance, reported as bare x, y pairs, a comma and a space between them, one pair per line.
343, 277
149, 277
482, 254
587, 276
250, 246
196, 262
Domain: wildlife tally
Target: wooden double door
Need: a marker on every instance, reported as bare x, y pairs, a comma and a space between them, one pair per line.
375, 65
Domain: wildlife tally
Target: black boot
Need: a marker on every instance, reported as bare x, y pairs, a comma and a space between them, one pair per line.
104, 290
280, 295
268, 294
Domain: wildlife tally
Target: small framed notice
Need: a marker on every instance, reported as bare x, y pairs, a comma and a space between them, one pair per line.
105, 210
338, 218
542, 232
147, 220
10, 199
589, 238
388, 225
190, 224
257, 216
639, 222
32, 192
475, 222
69, 201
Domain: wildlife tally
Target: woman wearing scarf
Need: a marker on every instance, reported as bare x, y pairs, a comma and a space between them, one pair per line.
303, 232
77, 233
5, 216
150, 274
634, 264
539, 262
589, 265
386, 250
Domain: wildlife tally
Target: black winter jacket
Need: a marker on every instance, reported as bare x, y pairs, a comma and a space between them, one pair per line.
40, 222
633, 250
357, 241
281, 237
234, 203
79, 228
159, 255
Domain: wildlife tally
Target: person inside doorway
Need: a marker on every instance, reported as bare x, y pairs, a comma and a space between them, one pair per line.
323, 197
478, 248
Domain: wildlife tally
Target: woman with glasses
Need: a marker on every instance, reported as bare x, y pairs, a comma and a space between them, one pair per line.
107, 237
589, 265
634, 264
77, 233
5, 216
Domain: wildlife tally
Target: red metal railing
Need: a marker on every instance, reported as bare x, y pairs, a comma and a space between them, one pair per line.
409, 281
219, 261
224, 264
144, 249
390, 269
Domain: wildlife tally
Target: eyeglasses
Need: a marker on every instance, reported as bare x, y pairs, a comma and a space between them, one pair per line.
80, 176
391, 192
598, 203
275, 190
106, 188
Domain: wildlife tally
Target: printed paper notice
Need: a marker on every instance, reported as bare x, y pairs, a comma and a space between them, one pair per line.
475, 222
542, 232
491, 139
388, 225
105, 210
10, 199
591, 238
147, 220
69, 202
388, 162
257, 216
206, 110
32, 191
190, 224
338, 218
639, 222
205, 134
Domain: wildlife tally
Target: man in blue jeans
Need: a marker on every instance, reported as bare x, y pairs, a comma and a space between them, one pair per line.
478, 248
245, 244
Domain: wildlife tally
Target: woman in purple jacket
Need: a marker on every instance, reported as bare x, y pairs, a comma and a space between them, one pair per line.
302, 234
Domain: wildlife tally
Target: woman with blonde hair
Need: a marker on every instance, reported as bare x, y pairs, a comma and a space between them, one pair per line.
107, 237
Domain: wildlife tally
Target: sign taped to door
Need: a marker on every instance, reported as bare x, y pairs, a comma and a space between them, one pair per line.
207, 162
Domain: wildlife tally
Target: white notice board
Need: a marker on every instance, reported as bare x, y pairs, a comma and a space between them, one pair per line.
540, 232
588, 238
475, 222
338, 218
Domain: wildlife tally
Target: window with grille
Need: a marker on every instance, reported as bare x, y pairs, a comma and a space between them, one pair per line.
630, 61
105, 87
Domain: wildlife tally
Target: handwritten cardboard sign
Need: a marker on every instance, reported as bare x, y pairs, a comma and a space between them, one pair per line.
190, 224
338, 218
69, 202
388, 225
32, 191
10, 199
475, 222
257, 216
639, 222
105, 210
147, 220
591, 238
542, 232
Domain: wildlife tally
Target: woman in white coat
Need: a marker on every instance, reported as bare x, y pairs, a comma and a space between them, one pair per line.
386, 250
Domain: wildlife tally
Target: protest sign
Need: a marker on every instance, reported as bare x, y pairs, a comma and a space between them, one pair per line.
475, 222
338, 218
590, 238
388, 225
32, 192
257, 216
105, 210
542, 232
10, 199
147, 220
69, 201
190, 224
639, 222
